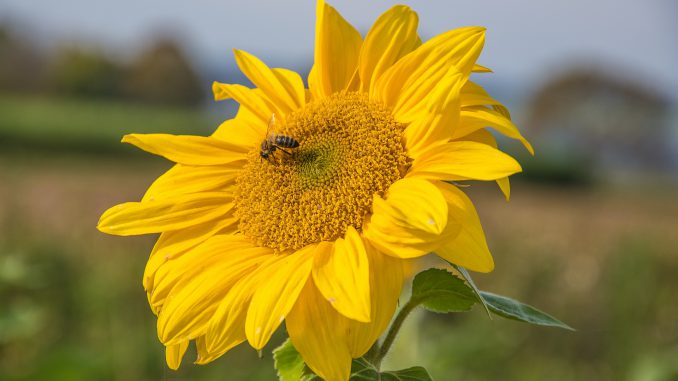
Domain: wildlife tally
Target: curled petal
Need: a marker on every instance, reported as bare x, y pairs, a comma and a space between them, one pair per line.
385, 287
342, 275
319, 333
175, 353
469, 248
410, 221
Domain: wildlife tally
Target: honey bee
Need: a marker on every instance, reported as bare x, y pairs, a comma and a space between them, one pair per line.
275, 142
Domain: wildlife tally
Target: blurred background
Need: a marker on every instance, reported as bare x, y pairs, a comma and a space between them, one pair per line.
590, 234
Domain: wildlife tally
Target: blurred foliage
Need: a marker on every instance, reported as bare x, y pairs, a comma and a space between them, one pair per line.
76, 72
72, 307
21, 66
556, 166
626, 321
67, 318
600, 120
160, 74
70, 125
163, 75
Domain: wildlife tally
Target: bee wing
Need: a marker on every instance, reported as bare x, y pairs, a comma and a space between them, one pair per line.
270, 131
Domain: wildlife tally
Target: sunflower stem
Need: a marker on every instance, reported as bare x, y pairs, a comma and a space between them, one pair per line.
382, 351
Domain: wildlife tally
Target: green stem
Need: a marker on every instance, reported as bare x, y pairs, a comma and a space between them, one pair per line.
381, 352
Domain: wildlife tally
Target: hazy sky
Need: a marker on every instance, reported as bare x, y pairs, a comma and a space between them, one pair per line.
526, 39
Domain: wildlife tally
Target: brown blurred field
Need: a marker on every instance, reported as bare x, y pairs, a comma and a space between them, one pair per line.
603, 259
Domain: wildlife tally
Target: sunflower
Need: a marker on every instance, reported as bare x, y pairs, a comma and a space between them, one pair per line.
317, 235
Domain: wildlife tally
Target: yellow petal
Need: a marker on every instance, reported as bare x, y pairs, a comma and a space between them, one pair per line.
463, 160
474, 95
337, 47
174, 354
505, 186
502, 111
172, 244
410, 221
412, 78
393, 35
274, 298
386, 281
475, 118
254, 100
185, 179
133, 218
469, 249
485, 137
169, 273
240, 131
195, 297
481, 69
248, 128
204, 355
319, 333
481, 136
342, 275
284, 87
227, 327
435, 124
189, 149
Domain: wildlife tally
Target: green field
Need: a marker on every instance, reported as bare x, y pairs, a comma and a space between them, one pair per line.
87, 126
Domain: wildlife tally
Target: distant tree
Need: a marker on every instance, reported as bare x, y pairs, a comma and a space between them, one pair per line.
612, 121
162, 74
77, 72
20, 65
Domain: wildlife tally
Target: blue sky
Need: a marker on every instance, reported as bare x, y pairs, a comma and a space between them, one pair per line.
527, 40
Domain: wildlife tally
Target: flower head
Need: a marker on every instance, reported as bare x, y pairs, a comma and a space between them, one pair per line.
316, 235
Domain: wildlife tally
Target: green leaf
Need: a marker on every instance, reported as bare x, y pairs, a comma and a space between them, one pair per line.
362, 370
288, 362
515, 310
440, 291
291, 367
467, 277
415, 373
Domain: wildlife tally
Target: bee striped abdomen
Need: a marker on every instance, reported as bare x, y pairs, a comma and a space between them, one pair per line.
286, 141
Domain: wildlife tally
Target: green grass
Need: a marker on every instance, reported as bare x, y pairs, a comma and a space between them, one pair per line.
87, 126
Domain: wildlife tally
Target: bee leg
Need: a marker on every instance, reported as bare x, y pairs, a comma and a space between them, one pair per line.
284, 151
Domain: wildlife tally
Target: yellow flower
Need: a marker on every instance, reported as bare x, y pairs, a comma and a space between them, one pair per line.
317, 236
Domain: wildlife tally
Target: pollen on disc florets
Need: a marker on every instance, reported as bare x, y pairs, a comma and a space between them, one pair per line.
350, 148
